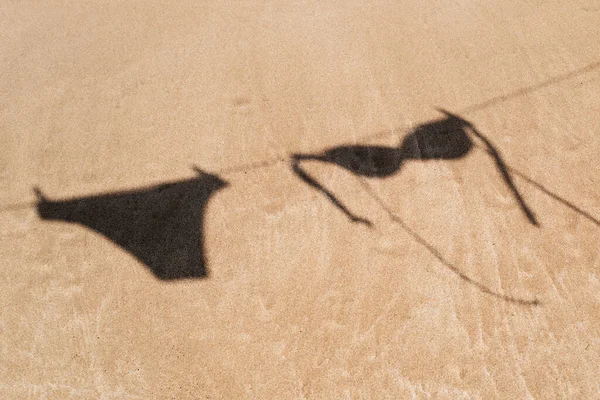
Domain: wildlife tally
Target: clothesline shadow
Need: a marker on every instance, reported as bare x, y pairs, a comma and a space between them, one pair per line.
162, 225
444, 139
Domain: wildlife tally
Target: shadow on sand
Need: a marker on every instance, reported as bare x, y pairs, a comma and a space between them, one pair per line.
162, 225
443, 139
435, 252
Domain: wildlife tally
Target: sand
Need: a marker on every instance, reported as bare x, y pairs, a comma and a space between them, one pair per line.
161, 236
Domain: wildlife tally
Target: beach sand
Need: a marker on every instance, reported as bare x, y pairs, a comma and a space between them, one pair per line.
161, 236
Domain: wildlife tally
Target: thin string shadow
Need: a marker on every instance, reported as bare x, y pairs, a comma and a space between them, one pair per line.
434, 252
162, 225
444, 139
556, 197
473, 108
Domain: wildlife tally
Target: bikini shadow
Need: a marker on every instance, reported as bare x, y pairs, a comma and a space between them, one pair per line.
449, 138
444, 139
162, 225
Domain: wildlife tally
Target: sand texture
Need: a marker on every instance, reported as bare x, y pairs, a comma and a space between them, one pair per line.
300, 199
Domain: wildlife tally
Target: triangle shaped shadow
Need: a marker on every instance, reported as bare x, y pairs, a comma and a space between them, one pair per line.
162, 225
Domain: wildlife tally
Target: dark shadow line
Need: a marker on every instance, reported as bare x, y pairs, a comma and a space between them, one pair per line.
502, 98
551, 194
434, 252
295, 159
492, 151
254, 165
555, 196
476, 107
532, 88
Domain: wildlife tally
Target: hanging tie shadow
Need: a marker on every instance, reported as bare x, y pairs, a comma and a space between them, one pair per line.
162, 225
436, 253
443, 139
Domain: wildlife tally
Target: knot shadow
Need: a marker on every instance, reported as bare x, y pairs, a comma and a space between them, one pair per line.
161, 225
